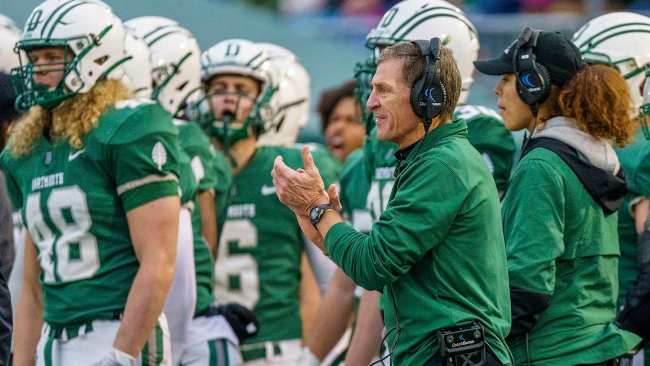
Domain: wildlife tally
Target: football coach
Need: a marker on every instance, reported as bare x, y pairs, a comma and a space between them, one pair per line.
437, 252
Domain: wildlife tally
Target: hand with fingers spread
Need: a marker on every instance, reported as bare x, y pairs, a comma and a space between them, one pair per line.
301, 189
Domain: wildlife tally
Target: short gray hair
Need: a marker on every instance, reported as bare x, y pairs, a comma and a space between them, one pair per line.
413, 68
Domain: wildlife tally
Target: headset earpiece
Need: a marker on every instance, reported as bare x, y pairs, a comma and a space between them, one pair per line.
428, 95
533, 79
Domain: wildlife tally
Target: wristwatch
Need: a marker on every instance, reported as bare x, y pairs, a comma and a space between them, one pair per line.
316, 213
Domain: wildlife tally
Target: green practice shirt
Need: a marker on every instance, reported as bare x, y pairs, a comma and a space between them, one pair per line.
439, 245
561, 244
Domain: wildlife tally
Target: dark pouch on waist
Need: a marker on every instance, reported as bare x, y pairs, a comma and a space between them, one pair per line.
462, 346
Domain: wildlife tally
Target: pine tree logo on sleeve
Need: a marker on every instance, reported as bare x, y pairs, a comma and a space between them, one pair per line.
197, 168
159, 154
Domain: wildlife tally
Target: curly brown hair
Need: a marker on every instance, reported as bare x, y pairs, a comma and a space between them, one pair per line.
71, 121
599, 100
331, 97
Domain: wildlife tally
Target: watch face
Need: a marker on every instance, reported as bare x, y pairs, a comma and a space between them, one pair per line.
313, 215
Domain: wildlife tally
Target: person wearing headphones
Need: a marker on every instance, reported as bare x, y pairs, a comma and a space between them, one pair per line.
560, 212
437, 251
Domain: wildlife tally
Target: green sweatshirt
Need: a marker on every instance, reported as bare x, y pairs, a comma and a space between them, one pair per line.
439, 247
561, 244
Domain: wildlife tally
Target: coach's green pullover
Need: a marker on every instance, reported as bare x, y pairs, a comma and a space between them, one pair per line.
439, 247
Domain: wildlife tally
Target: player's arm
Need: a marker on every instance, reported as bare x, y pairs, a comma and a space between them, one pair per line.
634, 316
154, 230
367, 331
333, 316
208, 218
642, 221
309, 295
29, 315
144, 157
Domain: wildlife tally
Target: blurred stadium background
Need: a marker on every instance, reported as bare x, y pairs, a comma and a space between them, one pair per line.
329, 35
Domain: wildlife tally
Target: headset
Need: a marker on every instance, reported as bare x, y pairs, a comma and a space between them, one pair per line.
533, 79
428, 94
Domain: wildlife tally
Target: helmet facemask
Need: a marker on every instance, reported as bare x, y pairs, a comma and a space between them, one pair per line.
644, 109
29, 93
363, 74
226, 129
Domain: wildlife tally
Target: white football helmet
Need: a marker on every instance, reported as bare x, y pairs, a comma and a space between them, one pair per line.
291, 102
245, 58
620, 40
410, 20
175, 61
137, 69
9, 36
93, 33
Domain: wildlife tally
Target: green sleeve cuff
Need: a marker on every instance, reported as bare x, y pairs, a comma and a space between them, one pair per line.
139, 196
333, 238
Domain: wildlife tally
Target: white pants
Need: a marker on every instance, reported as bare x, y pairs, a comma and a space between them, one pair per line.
216, 352
181, 300
15, 281
288, 356
210, 340
91, 346
639, 359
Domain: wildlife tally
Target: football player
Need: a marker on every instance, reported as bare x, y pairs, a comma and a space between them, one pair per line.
408, 20
622, 41
179, 307
290, 112
201, 334
96, 175
9, 35
259, 254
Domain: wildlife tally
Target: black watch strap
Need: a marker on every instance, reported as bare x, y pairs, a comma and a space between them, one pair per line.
316, 213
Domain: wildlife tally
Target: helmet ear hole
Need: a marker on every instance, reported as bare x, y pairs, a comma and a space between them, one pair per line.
100, 61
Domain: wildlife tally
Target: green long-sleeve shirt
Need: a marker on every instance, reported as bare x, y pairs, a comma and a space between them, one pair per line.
439, 245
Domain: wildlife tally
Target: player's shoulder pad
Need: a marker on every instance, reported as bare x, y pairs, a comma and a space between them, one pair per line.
7, 158
478, 113
485, 126
191, 131
130, 120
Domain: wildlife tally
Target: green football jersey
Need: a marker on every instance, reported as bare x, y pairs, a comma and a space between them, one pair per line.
75, 202
222, 189
187, 182
197, 146
354, 187
485, 131
258, 260
635, 161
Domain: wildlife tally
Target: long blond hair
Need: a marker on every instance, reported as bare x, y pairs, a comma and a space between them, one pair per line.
71, 121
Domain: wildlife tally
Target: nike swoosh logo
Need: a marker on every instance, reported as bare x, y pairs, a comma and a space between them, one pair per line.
266, 190
72, 156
